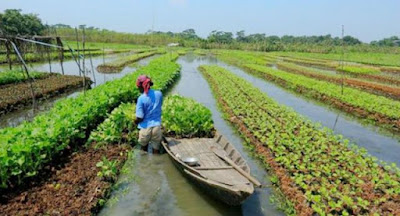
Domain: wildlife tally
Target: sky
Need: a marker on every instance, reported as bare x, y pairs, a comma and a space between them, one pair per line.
365, 19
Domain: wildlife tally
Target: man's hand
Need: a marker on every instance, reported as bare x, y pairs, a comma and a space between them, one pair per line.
138, 120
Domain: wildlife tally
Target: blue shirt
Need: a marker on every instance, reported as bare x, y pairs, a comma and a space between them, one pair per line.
148, 108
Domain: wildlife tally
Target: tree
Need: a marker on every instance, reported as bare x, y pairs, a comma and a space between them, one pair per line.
391, 41
14, 23
189, 34
256, 38
220, 37
241, 37
349, 40
60, 25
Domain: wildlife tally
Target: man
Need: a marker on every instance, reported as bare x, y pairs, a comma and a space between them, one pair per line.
148, 114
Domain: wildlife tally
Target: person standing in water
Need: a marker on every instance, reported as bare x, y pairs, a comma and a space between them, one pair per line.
148, 114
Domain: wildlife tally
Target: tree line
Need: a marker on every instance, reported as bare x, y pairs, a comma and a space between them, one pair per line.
14, 22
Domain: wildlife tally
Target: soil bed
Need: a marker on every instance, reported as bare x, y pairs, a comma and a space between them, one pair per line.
119, 66
72, 188
286, 185
373, 88
15, 96
387, 122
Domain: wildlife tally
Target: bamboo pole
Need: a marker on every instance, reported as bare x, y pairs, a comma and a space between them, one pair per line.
61, 53
8, 54
83, 60
83, 47
77, 47
31, 80
94, 72
49, 58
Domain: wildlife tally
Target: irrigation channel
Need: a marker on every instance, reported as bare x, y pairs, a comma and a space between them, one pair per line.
159, 189
27, 113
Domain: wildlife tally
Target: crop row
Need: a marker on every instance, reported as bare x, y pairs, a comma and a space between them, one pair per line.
241, 57
354, 69
16, 95
371, 87
24, 150
348, 67
311, 62
320, 173
377, 108
372, 73
182, 117
359, 72
120, 63
14, 76
34, 57
368, 58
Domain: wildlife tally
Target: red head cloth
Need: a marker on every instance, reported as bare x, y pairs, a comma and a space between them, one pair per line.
144, 82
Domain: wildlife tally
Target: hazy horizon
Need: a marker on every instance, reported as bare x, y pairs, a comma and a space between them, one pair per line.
367, 20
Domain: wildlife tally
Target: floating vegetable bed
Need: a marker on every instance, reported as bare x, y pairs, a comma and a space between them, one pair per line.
318, 172
28, 148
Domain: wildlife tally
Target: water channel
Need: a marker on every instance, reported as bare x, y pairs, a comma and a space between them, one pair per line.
159, 189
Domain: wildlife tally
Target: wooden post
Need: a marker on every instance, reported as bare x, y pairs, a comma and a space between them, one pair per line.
83, 47
77, 48
49, 58
61, 53
94, 72
7, 43
103, 49
31, 80
83, 59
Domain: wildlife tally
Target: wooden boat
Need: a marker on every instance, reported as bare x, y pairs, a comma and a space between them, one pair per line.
221, 171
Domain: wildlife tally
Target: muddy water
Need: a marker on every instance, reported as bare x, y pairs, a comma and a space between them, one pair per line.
15, 118
159, 188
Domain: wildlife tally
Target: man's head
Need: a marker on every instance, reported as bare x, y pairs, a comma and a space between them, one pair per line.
144, 82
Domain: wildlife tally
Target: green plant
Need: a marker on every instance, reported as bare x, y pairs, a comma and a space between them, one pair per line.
120, 120
108, 169
363, 104
358, 69
335, 177
14, 76
119, 64
183, 117
26, 149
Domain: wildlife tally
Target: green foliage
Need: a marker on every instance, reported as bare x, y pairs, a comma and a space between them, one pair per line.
108, 169
106, 45
358, 69
118, 64
319, 89
183, 117
111, 130
332, 174
225, 40
13, 22
14, 76
25, 149
357, 98
390, 42
378, 57
220, 37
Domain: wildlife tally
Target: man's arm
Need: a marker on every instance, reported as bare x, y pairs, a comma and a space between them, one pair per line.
139, 111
